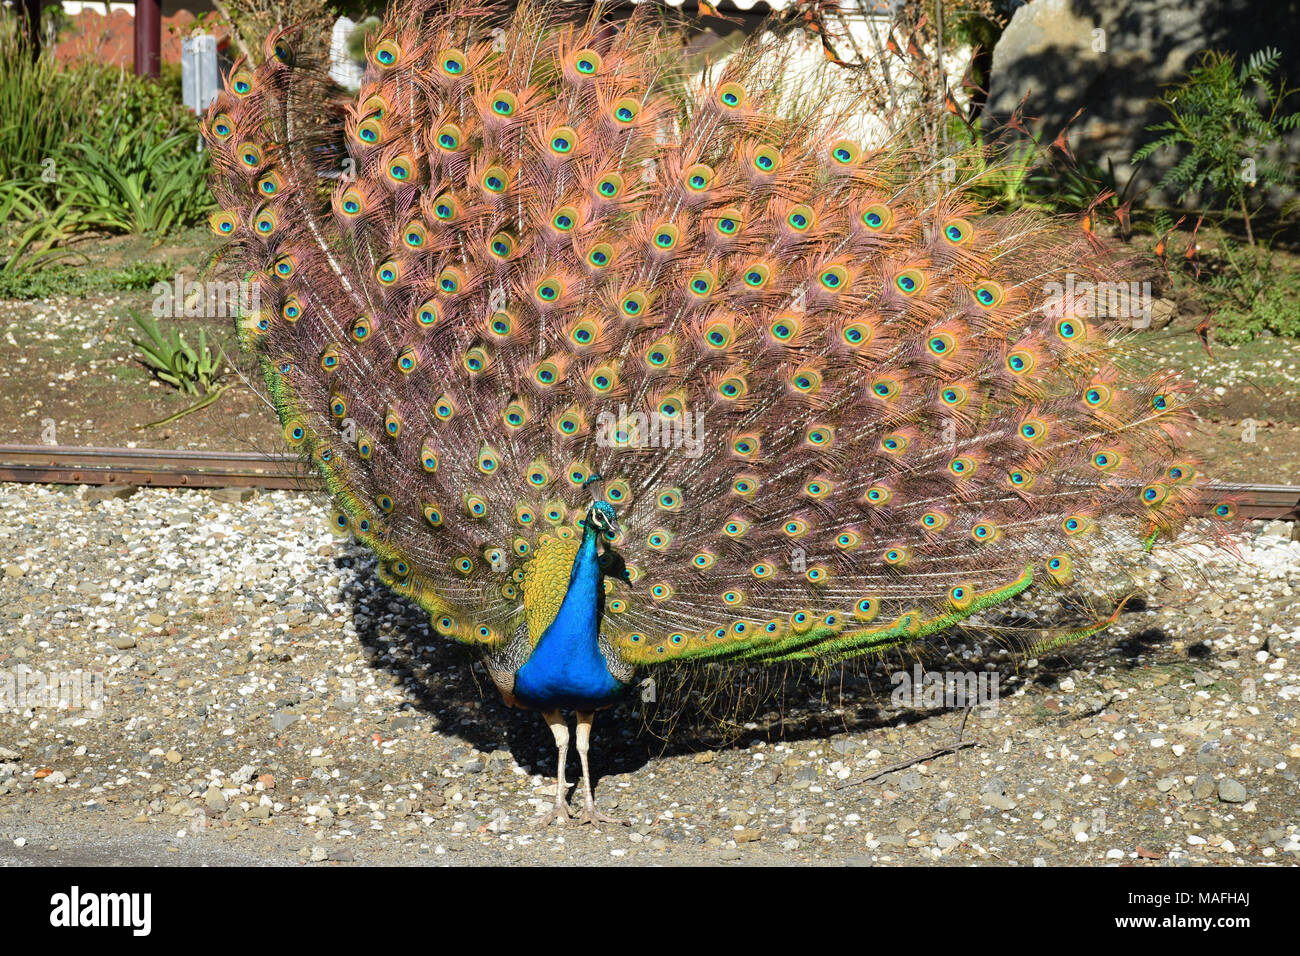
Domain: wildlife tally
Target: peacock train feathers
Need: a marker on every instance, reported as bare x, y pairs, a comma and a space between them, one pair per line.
531, 264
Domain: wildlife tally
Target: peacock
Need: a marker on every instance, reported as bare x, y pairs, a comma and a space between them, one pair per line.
616, 367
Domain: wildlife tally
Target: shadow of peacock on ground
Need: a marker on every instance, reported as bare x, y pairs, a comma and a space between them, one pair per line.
724, 708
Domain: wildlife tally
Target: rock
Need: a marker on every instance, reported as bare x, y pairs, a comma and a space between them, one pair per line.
7, 755
107, 492
13, 571
706, 757
729, 854
282, 720
746, 836
122, 641
342, 856
1165, 784
998, 801
909, 781
1231, 791
173, 757
1163, 311
319, 854
157, 620
1110, 59
234, 495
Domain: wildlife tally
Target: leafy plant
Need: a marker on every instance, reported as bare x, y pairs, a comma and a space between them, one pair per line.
172, 360
1252, 294
1216, 115
88, 146
125, 180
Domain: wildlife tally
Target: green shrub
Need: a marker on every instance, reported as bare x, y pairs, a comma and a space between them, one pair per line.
1216, 115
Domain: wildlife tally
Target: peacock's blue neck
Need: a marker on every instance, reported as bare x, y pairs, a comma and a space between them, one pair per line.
566, 669
576, 625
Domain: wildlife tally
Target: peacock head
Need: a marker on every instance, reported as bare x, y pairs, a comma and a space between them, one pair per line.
603, 518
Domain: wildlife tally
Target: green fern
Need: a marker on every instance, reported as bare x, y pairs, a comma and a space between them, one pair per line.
1231, 121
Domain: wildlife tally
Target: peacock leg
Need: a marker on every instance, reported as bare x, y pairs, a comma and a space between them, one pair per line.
589, 812
560, 728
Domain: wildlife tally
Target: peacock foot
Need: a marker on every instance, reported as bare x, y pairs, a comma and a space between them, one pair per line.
590, 815
559, 812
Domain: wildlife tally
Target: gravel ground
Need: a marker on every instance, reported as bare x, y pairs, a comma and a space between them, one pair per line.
266, 700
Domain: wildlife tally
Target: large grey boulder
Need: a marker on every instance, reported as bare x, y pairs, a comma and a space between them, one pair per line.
1111, 57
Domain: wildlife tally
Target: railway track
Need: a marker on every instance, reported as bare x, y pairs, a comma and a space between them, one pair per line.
161, 468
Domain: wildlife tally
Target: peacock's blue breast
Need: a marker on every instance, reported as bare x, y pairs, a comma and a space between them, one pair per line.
560, 674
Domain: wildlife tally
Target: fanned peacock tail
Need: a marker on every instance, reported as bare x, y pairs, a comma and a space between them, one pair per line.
835, 406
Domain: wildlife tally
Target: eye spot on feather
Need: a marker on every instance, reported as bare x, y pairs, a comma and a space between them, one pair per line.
845, 152
222, 223
954, 396
563, 140
963, 467
1020, 478
495, 180
1107, 460
408, 360
732, 96
586, 62
877, 217
610, 186
1076, 524
1033, 430
504, 103
957, 231
757, 275
1021, 362
1097, 396
250, 154
942, 344
1071, 330
626, 110
910, 282
767, 160
666, 236
452, 62
989, 294
894, 443
820, 436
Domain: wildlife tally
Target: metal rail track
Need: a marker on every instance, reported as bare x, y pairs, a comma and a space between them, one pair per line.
160, 468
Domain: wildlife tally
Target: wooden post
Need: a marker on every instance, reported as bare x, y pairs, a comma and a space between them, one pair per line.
32, 18
148, 37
